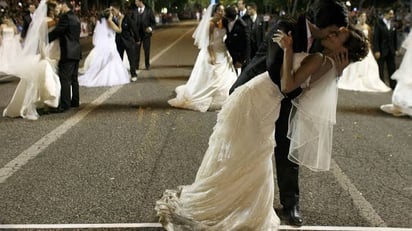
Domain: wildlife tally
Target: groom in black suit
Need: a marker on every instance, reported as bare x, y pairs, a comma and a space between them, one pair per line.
384, 45
68, 32
27, 20
145, 21
127, 39
328, 16
237, 38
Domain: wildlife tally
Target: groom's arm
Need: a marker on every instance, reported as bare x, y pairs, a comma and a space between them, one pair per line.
264, 58
60, 27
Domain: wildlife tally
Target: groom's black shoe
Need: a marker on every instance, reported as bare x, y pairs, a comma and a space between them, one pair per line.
58, 110
293, 215
74, 105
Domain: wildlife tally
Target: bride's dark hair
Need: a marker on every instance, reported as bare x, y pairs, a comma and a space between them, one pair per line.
215, 7
51, 6
104, 14
357, 44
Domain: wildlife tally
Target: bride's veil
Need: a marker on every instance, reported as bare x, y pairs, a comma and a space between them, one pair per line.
37, 33
201, 34
101, 33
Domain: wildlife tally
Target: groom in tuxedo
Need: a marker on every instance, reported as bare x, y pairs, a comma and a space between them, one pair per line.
237, 38
145, 22
127, 39
68, 32
328, 16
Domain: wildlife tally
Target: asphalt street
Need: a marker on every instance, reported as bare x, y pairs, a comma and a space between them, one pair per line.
110, 160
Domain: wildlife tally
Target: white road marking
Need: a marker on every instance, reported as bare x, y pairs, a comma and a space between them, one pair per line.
157, 225
365, 208
23, 158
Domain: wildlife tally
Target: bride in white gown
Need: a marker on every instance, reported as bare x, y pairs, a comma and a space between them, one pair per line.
39, 85
234, 187
213, 74
402, 94
363, 75
10, 46
103, 66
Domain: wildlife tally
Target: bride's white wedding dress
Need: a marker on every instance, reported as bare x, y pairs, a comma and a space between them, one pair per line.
402, 94
363, 75
103, 66
208, 85
39, 84
234, 186
10, 48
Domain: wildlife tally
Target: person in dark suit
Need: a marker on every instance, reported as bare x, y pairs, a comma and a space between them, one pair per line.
237, 38
145, 21
68, 32
328, 16
242, 10
27, 20
127, 39
257, 28
384, 45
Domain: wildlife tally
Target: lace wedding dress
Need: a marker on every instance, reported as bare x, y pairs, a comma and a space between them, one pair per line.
208, 85
39, 84
103, 66
363, 75
234, 187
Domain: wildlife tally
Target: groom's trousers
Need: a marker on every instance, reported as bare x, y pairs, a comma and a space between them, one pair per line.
287, 172
68, 74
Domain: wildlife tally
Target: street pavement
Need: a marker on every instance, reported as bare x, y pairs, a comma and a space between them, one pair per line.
111, 159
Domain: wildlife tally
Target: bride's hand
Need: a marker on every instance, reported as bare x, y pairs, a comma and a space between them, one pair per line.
341, 59
284, 40
212, 60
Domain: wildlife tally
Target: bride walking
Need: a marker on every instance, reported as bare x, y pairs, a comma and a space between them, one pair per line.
213, 74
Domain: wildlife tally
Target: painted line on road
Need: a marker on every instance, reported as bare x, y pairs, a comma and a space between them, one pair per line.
23, 158
158, 225
365, 208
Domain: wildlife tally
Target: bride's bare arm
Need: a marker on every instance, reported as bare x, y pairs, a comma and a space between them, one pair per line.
290, 80
117, 29
51, 23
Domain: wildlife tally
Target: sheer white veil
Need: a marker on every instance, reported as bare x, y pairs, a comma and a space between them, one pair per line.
37, 33
201, 34
101, 33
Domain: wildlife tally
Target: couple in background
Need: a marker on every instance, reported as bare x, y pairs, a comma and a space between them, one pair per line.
104, 66
234, 188
48, 80
213, 74
224, 43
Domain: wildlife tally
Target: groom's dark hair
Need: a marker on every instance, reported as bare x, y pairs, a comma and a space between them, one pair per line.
324, 13
231, 12
68, 3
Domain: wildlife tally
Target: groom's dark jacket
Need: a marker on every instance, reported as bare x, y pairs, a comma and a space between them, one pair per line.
269, 56
238, 41
129, 35
68, 32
